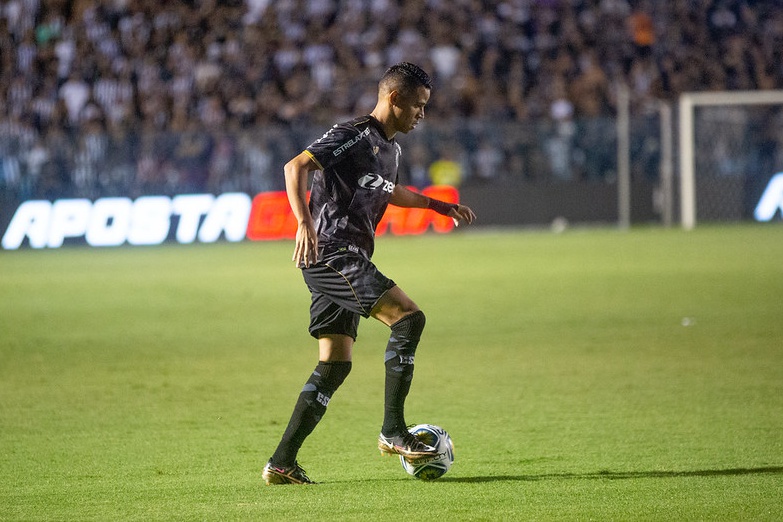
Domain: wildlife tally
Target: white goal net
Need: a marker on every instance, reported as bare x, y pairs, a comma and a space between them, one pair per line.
731, 147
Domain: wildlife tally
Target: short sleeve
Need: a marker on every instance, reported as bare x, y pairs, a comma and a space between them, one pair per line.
330, 148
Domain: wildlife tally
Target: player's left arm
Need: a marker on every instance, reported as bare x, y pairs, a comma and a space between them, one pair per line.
404, 197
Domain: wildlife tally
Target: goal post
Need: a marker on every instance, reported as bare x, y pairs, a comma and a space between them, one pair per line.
729, 123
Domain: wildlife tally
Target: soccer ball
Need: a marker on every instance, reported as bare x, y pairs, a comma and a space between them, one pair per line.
432, 467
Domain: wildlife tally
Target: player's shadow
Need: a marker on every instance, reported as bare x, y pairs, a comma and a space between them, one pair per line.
621, 475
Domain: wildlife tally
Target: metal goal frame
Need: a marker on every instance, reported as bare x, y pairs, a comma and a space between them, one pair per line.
687, 105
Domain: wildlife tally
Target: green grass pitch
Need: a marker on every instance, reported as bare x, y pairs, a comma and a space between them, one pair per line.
589, 375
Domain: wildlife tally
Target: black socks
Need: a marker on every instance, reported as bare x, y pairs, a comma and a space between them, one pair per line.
404, 339
310, 407
328, 376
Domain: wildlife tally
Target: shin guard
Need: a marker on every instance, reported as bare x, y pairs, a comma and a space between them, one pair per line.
310, 408
399, 358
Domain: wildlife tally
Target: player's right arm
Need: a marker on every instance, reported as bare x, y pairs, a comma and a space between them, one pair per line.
296, 174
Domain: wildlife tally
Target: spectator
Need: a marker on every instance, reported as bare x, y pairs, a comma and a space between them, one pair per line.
560, 142
36, 159
447, 169
235, 65
488, 161
192, 154
75, 93
416, 164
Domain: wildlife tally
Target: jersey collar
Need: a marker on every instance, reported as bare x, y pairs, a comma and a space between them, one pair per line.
380, 128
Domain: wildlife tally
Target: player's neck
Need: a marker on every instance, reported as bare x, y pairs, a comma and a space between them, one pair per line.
383, 117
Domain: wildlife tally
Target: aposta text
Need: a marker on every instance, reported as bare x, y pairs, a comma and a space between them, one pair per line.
187, 218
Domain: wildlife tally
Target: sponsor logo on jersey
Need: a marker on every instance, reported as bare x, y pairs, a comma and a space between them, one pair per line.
350, 143
371, 181
374, 181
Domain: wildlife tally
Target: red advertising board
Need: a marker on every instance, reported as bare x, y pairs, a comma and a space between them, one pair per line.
187, 218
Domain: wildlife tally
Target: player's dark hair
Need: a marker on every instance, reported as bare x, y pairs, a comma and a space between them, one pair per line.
405, 77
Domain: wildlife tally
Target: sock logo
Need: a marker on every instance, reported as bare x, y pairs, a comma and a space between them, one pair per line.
323, 399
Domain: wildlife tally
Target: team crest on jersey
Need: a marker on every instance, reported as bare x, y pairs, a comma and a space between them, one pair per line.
375, 149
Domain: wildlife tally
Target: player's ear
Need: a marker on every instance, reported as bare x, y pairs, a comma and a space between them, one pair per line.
394, 98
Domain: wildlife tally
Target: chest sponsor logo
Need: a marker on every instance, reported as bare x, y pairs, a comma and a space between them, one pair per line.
374, 181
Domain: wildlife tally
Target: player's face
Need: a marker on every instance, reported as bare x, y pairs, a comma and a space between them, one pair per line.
409, 109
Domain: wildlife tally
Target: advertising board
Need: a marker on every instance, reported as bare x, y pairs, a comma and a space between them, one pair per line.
185, 218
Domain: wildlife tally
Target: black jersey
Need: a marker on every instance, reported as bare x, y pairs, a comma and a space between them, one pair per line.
350, 193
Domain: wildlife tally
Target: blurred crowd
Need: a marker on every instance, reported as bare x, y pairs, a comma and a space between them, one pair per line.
139, 96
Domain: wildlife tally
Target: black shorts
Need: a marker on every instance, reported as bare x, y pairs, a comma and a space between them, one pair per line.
344, 287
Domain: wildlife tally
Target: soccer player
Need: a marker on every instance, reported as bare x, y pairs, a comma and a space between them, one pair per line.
356, 178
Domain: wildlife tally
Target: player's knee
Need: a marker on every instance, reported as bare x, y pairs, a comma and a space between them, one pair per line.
338, 372
327, 377
410, 327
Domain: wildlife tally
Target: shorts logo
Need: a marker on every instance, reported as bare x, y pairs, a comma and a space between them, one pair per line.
373, 181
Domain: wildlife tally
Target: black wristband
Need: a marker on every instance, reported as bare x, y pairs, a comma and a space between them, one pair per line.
441, 207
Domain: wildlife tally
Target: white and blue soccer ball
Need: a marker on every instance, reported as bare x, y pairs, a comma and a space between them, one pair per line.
434, 467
